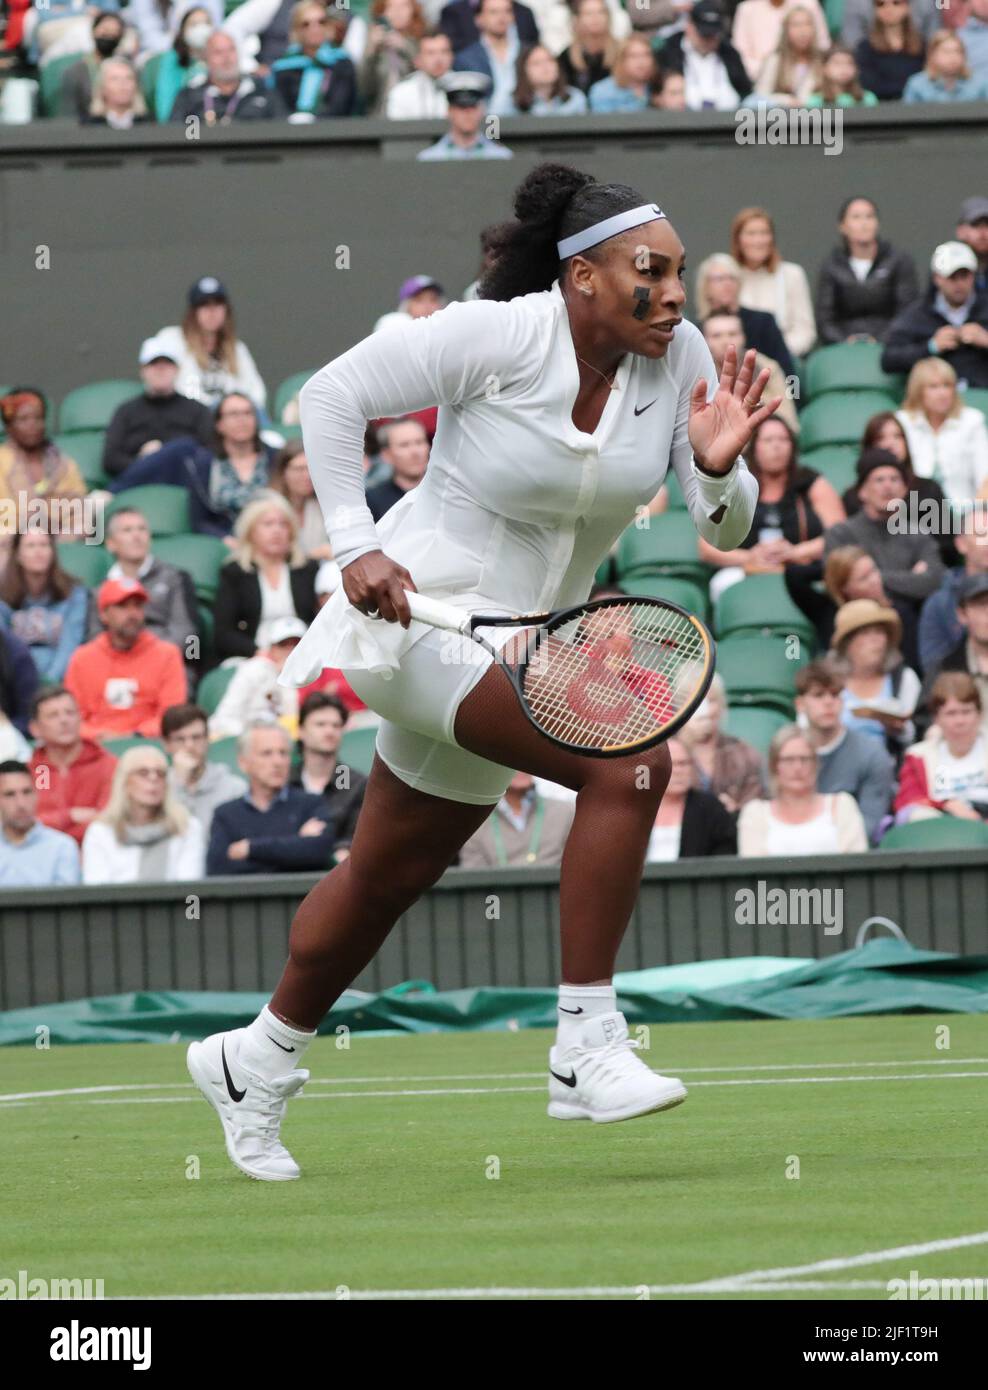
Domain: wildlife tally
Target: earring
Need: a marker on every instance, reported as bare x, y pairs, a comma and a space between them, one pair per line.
583, 291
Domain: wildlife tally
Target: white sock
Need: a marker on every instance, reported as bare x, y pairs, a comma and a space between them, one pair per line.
577, 1004
270, 1048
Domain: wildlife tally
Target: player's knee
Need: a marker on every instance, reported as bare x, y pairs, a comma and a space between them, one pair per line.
639, 780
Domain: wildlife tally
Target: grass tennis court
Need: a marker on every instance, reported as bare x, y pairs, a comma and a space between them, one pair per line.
396, 1137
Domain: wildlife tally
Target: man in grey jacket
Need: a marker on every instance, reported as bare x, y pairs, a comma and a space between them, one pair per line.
172, 612
200, 785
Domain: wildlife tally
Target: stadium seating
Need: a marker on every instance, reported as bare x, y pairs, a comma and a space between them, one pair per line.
212, 687
677, 502
761, 670
666, 546
682, 591
224, 751
166, 508
86, 447
287, 392
840, 417
756, 726
87, 563
50, 84
945, 832
849, 367
835, 462
119, 746
760, 604
91, 407
977, 397
357, 749
202, 557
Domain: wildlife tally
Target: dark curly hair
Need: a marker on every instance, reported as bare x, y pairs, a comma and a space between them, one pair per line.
552, 202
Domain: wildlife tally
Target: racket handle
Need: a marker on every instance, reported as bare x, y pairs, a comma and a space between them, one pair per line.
436, 614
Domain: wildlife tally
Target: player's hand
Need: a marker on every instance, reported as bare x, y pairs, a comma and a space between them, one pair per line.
376, 586
720, 429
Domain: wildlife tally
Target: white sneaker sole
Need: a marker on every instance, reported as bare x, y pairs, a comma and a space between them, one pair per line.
201, 1076
565, 1110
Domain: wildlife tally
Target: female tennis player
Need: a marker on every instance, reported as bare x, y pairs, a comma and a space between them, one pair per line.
564, 395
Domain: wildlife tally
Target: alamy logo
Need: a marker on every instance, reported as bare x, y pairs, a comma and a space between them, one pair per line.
763, 906
79, 1343
26, 1287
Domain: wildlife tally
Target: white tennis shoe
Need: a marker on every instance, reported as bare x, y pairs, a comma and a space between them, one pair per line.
250, 1108
600, 1078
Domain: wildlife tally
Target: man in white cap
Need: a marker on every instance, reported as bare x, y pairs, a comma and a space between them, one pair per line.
949, 321
161, 414
467, 94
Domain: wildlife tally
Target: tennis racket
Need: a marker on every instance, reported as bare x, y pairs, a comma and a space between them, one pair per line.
606, 678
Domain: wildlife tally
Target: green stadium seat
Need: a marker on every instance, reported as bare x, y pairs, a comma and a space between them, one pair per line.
760, 603
835, 462
206, 625
50, 84
833, 11
840, 417
667, 546
605, 571
86, 447
200, 556
761, 670
975, 396
87, 563
849, 367
357, 749
224, 751
677, 502
212, 687
166, 508
119, 746
91, 407
756, 726
149, 79
286, 394
682, 591
944, 832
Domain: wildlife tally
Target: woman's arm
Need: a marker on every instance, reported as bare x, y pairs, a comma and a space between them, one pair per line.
73, 633
852, 837
801, 332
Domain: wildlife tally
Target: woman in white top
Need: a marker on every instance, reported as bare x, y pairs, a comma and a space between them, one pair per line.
790, 75
212, 360
798, 820
768, 282
144, 835
947, 440
555, 22
758, 24
565, 394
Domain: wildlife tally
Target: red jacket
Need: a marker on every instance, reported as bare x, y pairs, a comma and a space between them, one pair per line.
122, 693
85, 782
334, 683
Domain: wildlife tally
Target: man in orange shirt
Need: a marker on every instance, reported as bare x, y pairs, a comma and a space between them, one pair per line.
125, 679
72, 775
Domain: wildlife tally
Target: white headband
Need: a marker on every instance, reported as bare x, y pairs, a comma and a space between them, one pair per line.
601, 231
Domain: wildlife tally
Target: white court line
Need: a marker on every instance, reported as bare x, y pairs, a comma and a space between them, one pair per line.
872, 1257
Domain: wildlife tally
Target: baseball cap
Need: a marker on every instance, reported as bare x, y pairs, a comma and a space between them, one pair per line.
465, 88
113, 591
152, 349
284, 629
972, 586
951, 257
416, 284
878, 458
206, 287
973, 210
707, 17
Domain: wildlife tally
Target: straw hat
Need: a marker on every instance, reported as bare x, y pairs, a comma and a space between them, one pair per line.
865, 612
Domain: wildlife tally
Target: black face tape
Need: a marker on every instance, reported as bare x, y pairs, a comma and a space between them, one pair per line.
642, 296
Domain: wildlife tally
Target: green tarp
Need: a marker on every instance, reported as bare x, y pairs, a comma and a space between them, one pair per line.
882, 977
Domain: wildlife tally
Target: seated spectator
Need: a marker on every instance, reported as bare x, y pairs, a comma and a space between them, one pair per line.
541, 89
183, 62
689, 823
940, 627
274, 828
950, 320
267, 578
850, 573
846, 761
76, 91
254, 693
419, 96
892, 50
31, 466
720, 329
794, 70
32, 855
716, 79
220, 93
880, 691
524, 829
142, 425
795, 506
291, 479
946, 76
858, 15
459, 20
315, 79
145, 835
125, 679
972, 229
45, 607
590, 57
627, 88
768, 282
667, 91
18, 682
198, 784
322, 719
495, 53
864, 282
840, 81
466, 96
212, 360
117, 99
947, 439
73, 775
221, 478
158, 21
758, 26
727, 767
970, 655
718, 286
946, 774
172, 611
798, 819
555, 19
271, 23
419, 297
974, 35
392, 46
406, 450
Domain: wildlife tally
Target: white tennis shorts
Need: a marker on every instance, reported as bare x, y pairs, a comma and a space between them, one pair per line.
418, 707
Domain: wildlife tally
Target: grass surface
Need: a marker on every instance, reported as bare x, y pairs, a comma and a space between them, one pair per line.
397, 1135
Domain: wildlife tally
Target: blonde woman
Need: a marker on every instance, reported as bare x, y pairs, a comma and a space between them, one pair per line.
771, 284
144, 835
790, 75
718, 286
947, 76
117, 101
212, 360
727, 767
267, 578
592, 54
947, 440
627, 88
798, 819
316, 78
291, 478
555, 19
758, 26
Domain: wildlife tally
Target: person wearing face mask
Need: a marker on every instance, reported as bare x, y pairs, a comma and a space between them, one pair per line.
183, 62
76, 91
159, 21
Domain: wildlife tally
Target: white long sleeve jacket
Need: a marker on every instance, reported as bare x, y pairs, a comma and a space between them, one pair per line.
518, 507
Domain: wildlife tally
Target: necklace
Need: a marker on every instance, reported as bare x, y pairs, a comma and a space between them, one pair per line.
612, 383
